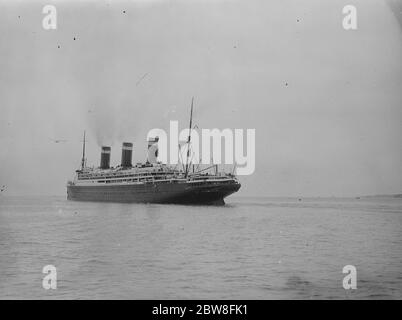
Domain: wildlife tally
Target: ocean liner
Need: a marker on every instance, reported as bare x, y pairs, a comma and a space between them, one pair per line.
152, 181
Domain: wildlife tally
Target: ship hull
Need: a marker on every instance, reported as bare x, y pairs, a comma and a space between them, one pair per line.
210, 193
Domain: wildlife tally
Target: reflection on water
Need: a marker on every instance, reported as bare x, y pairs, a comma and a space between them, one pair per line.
253, 248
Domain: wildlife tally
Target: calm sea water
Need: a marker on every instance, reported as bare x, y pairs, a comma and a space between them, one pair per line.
253, 248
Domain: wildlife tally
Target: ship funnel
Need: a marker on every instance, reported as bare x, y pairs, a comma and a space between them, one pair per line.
126, 154
153, 149
105, 158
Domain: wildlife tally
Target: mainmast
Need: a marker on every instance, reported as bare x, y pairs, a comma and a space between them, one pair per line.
83, 154
189, 135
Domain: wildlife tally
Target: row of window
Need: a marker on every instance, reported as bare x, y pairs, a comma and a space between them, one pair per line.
134, 175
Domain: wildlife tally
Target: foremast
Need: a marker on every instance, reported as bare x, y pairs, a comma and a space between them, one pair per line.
83, 154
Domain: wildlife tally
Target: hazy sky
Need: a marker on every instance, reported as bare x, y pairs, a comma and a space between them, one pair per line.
334, 129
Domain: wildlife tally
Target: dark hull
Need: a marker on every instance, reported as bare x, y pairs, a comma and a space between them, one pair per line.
179, 193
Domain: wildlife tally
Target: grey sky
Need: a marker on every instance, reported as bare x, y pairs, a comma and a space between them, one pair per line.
334, 129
